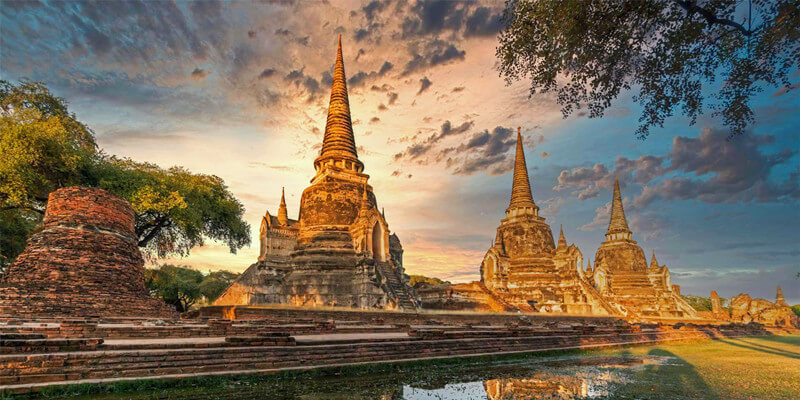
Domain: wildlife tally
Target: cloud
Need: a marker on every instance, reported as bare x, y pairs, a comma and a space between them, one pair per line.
437, 52
483, 23
425, 83
301, 80
785, 89
433, 17
447, 129
360, 78
267, 73
374, 8
710, 168
199, 74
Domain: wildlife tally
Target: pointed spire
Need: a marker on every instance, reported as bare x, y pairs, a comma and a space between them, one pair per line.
562, 241
588, 265
617, 224
339, 142
653, 261
779, 300
521, 196
283, 216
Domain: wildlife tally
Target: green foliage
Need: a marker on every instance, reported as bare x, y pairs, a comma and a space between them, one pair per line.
175, 209
796, 309
415, 280
45, 148
215, 283
184, 287
586, 52
700, 303
14, 227
178, 286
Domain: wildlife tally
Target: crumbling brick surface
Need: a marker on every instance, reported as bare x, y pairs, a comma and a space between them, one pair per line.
84, 261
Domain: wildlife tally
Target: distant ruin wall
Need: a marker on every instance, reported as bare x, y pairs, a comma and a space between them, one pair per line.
85, 261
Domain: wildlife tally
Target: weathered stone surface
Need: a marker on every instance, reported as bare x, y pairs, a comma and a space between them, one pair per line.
340, 252
745, 309
524, 270
84, 261
622, 276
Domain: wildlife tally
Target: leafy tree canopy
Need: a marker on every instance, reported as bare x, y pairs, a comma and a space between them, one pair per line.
215, 283
178, 286
796, 309
587, 51
415, 280
184, 287
45, 148
700, 303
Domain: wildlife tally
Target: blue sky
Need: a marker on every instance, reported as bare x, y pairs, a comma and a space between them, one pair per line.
240, 89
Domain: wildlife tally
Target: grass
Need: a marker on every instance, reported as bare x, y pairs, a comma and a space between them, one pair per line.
742, 368
736, 368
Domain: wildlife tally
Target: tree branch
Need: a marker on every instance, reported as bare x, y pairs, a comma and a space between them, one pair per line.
692, 8
153, 232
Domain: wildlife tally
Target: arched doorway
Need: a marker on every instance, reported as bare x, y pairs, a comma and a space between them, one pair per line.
377, 242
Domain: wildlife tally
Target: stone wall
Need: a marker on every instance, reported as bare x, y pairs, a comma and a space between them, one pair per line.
745, 309
84, 261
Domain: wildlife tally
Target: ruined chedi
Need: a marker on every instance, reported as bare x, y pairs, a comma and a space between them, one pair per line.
526, 269
84, 262
340, 251
622, 276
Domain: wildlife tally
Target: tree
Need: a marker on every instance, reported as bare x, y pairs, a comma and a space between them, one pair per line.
588, 51
178, 286
215, 283
184, 287
45, 148
176, 210
416, 280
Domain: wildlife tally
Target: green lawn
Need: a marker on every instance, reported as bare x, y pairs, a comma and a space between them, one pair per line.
747, 368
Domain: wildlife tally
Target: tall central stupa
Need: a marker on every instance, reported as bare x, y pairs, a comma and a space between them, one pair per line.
339, 252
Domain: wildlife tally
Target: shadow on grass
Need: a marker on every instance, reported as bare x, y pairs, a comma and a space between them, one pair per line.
676, 379
761, 348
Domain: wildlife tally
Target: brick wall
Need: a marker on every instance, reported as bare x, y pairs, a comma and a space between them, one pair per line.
83, 262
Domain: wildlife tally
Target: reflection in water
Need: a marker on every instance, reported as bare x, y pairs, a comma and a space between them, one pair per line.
537, 387
570, 379
565, 377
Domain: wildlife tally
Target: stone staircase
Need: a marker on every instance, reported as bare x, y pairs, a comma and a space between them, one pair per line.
405, 301
496, 302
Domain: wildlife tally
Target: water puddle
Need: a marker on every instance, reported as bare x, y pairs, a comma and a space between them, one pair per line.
562, 377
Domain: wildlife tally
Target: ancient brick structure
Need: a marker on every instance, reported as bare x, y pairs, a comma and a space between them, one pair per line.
83, 262
525, 268
746, 309
339, 252
622, 276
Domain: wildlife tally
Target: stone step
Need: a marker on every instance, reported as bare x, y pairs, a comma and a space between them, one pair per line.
160, 364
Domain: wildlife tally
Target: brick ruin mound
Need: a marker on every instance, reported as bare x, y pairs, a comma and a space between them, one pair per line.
84, 261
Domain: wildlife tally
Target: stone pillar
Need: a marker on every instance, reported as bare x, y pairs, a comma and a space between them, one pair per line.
716, 308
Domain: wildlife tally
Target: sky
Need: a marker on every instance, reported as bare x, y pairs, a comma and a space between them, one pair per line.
240, 90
